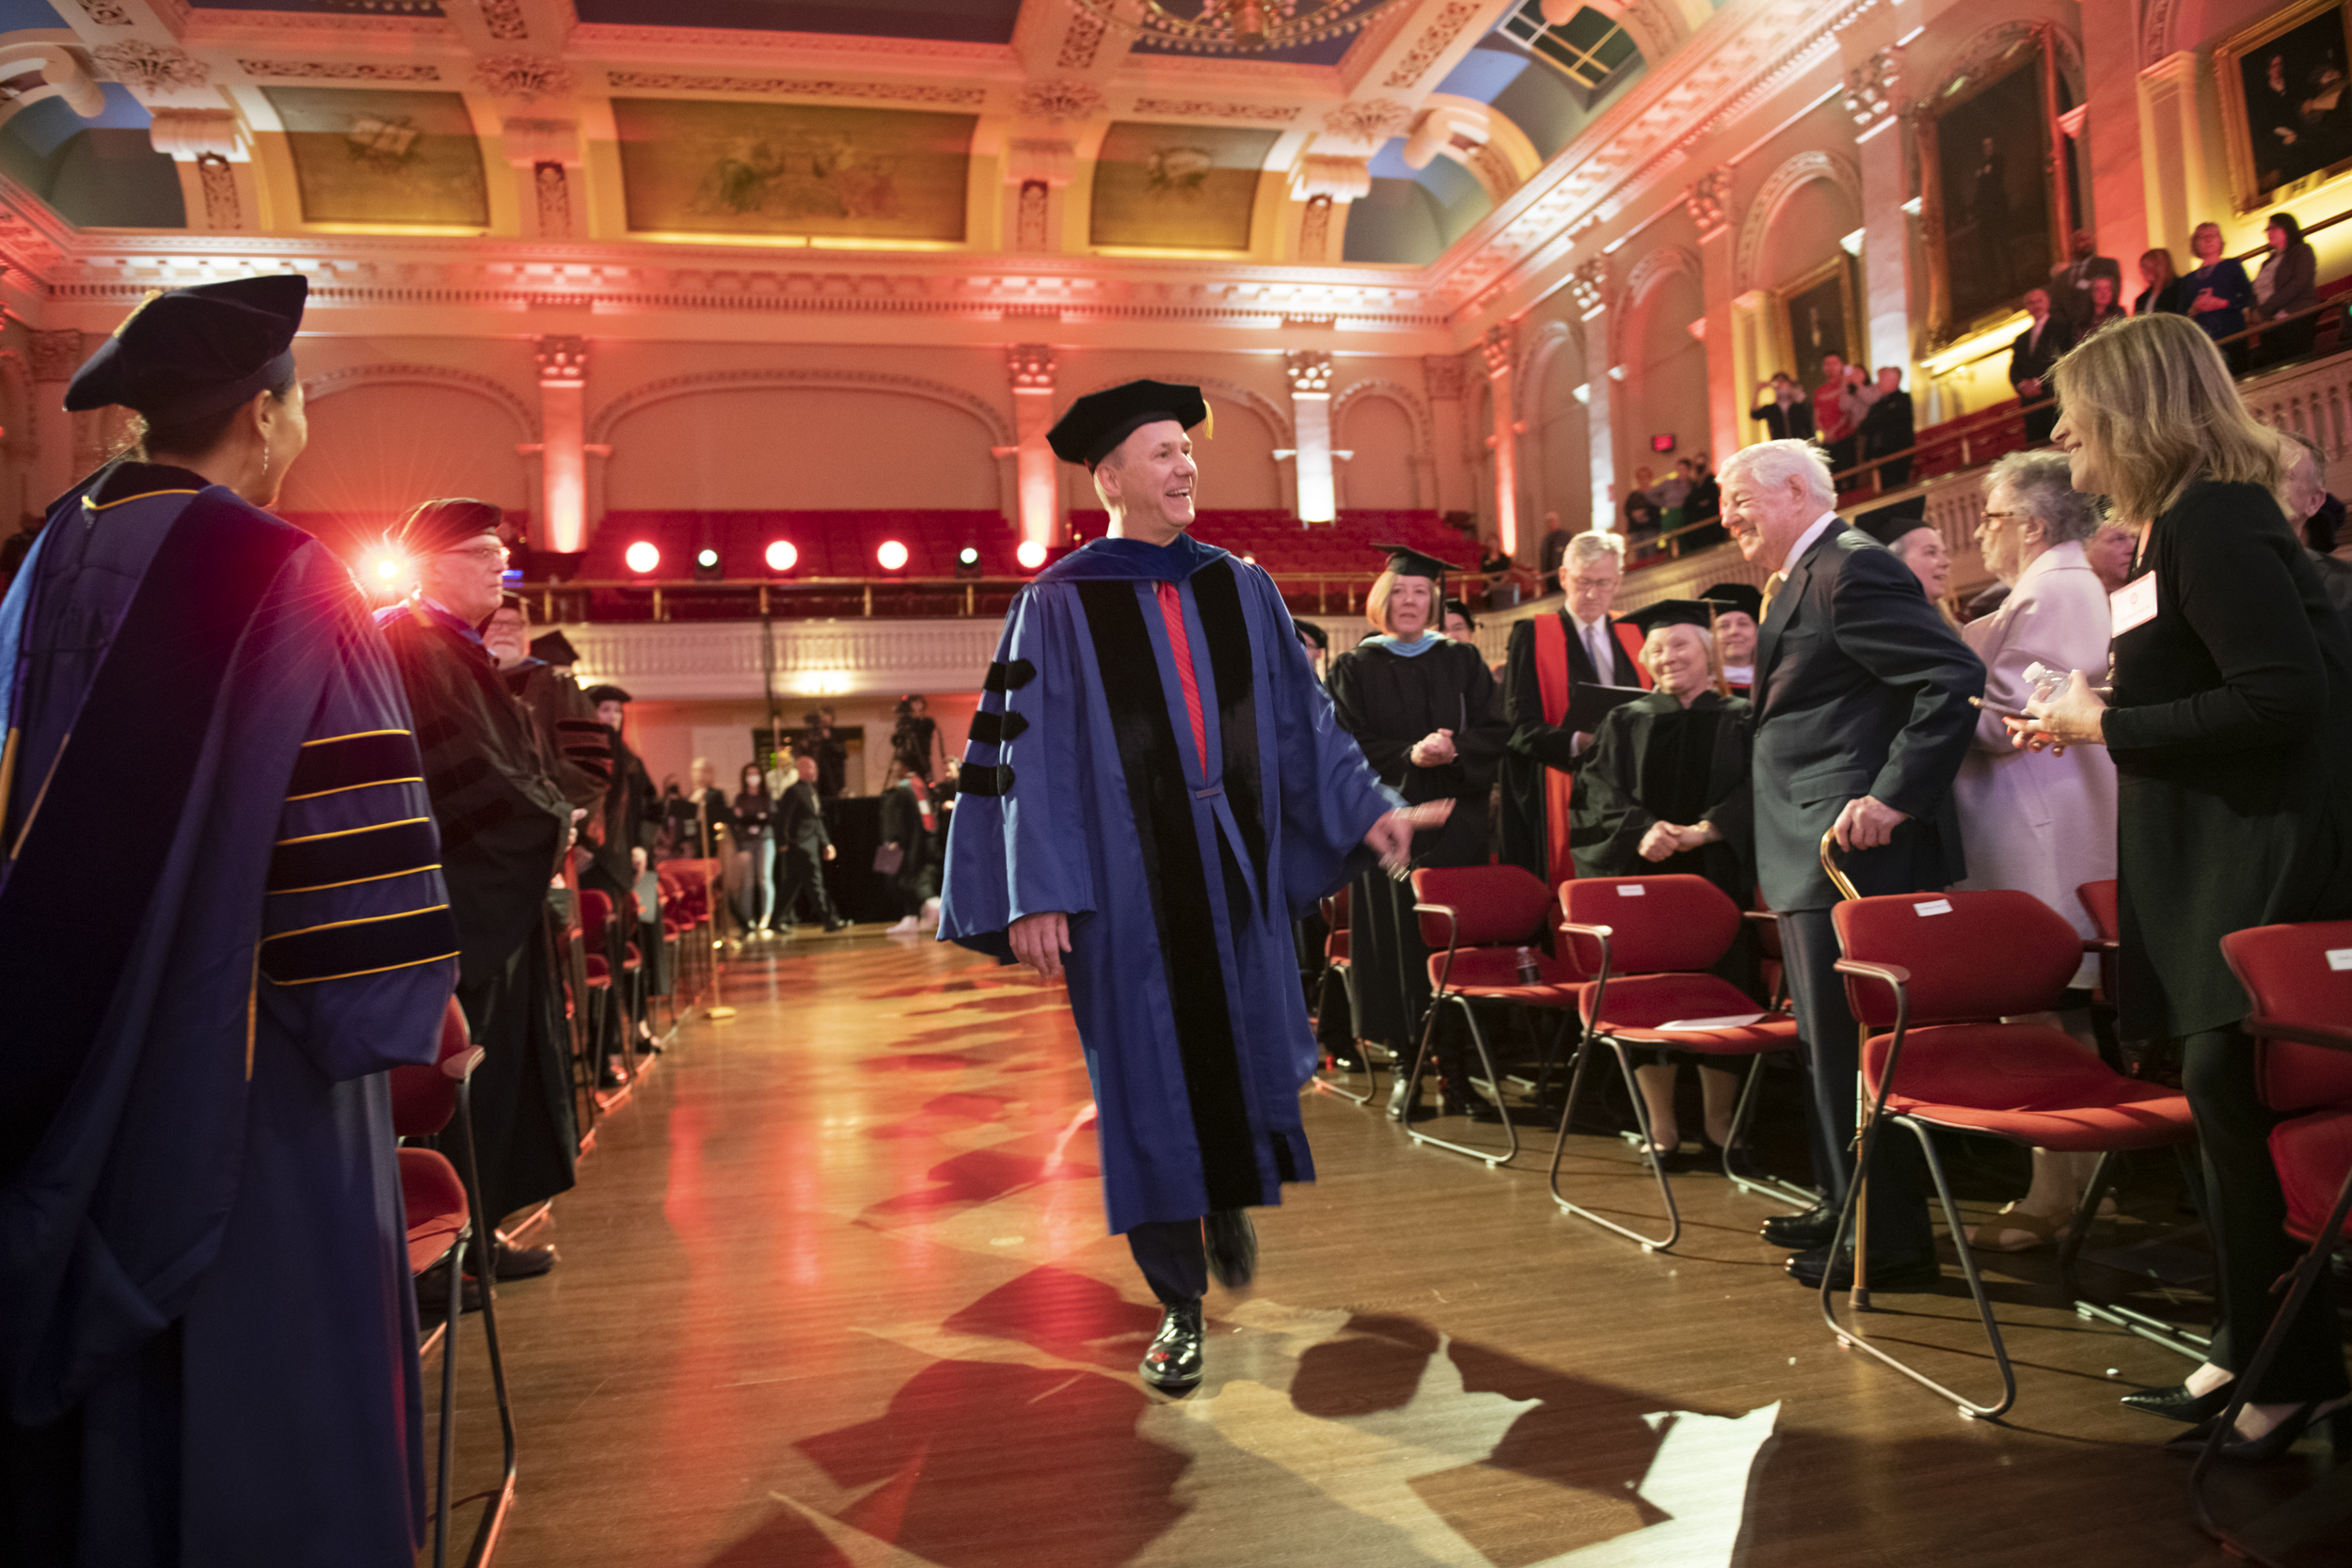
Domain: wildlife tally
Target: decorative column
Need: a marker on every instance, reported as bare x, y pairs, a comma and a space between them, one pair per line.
1709, 202
1441, 378
1504, 442
1886, 311
562, 524
1590, 291
545, 153
2171, 149
1310, 372
1037, 481
1036, 170
203, 143
1325, 185
55, 357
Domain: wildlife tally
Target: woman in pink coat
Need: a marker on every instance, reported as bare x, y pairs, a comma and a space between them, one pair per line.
2039, 822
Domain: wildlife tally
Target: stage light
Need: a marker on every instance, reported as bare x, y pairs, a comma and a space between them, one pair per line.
642, 557
967, 557
1031, 555
893, 555
783, 555
386, 568
706, 563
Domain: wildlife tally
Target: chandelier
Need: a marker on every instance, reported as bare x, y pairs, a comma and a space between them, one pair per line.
1236, 26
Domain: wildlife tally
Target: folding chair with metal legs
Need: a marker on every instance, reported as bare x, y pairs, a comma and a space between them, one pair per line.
1413, 1087
1339, 964
2155, 1330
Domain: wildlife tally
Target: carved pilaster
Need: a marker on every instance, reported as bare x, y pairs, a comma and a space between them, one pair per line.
1309, 371
1031, 365
1708, 201
1589, 286
221, 210
56, 354
1869, 96
562, 360
1495, 348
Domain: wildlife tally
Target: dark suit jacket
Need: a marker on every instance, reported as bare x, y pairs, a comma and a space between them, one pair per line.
1861, 689
1886, 428
2031, 361
1535, 745
801, 821
1794, 422
2072, 304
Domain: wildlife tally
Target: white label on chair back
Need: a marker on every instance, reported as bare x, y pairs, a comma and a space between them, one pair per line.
1934, 906
2340, 957
1630, 890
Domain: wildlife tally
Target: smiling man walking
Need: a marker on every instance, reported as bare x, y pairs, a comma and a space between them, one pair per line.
1155, 788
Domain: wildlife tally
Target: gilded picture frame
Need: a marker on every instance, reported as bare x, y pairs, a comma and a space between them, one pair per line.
1991, 188
1821, 315
2286, 103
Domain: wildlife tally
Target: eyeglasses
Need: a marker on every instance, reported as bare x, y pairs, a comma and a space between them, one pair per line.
1997, 516
484, 553
1594, 582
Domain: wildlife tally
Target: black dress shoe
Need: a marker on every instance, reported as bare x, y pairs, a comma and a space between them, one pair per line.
1174, 1359
1900, 1271
833, 925
432, 1289
2177, 1404
1233, 1247
2277, 1441
509, 1261
1812, 1228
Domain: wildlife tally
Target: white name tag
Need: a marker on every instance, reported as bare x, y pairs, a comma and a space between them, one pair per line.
2132, 605
1934, 906
1630, 890
2340, 957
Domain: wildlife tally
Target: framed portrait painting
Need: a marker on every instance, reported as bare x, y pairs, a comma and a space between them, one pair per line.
2286, 116
1993, 190
1822, 319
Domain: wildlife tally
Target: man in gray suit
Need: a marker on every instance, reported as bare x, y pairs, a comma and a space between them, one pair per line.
1862, 718
2070, 280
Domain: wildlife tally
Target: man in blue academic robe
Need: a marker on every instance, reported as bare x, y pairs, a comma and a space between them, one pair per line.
1157, 787
221, 919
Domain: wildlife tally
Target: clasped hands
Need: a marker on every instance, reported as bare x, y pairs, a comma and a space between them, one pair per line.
1665, 839
1434, 750
1039, 941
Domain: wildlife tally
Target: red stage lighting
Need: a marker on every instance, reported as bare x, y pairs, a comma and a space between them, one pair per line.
1031, 555
642, 556
783, 555
893, 555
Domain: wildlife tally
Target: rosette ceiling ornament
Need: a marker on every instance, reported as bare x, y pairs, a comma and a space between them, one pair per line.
1236, 26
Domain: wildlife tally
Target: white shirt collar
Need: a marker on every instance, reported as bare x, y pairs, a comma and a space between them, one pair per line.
1805, 541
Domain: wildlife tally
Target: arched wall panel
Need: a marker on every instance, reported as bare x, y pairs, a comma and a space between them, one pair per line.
752, 448
378, 448
1381, 434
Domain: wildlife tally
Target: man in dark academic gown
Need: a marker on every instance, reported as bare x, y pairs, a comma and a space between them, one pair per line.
1548, 658
221, 923
1155, 789
805, 846
632, 826
1422, 707
576, 748
504, 825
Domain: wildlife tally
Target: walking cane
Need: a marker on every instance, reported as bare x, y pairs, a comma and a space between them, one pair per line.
1861, 1293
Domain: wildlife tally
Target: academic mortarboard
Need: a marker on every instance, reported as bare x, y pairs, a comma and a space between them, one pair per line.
1744, 597
1406, 561
1096, 423
1670, 612
189, 353
1456, 607
555, 648
1892, 524
1314, 634
435, 526
609, 694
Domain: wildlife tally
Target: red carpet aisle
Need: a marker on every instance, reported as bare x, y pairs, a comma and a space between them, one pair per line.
834, 1293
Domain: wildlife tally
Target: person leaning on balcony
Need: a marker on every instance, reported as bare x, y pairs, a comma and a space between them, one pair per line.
2104, 307
2039, 822
2160, 285
1888, 429
2287, 285
2215, 294
2032, 353
1782, 409
2231, 727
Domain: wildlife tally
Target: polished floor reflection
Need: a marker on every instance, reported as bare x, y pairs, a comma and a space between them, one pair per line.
835, 1292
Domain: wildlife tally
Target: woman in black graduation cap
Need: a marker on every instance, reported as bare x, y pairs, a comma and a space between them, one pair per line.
1665, 792
1423, 708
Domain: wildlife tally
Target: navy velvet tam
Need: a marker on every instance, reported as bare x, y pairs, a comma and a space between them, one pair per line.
435, 526
186, 353
609, 694
1096, 423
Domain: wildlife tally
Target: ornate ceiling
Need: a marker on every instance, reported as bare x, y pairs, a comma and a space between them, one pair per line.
974, 157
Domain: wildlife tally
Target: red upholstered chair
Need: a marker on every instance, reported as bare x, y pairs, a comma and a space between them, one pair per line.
616, 1026
1488, 921
2300, 981
1930, 977
446, 1229
1645, 944
1339, 964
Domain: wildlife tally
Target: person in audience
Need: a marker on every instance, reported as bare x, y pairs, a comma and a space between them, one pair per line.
1555, 545
1704, 505
1834, 411
2285, 287
832, 757
1782, 409
504, 826
911, 826
2110, 552
206, 1286
805, 847
1421, 709
2160, 285
714, 817
1641, 511
1886, 428
2073, 282
1670, 493
1460, 625
1861, 718
2313, 514
2103, 308
2042, 823
632, 820
1921, 548
1739, 607
915, 742
1164, 787
2214, 293
752, 818
2030, 355
1317, 644
2231, 728
1665, 792
1546, 659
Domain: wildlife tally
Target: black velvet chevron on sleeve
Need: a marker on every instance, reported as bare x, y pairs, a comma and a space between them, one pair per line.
354, 761
358, 855
353, 948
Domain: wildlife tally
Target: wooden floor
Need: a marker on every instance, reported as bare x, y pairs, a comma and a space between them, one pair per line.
835, 1291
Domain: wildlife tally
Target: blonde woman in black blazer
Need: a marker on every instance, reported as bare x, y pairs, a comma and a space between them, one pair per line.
2231, 727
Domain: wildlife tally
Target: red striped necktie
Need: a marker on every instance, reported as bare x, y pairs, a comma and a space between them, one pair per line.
1172, 612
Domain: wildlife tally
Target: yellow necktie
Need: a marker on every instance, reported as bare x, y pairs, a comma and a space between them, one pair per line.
1772, 585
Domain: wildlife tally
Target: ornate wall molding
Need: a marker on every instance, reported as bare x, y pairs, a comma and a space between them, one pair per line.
222, 209
1371, 121
105, 13
56, 354
527, 78
503, 20
1543, 346
1394, 392
602, 424
151, 67
1059, 101
632, 39
328, 383
1588, 287
343, 71
1080, 40
1782, 182
1202, 108
1257, 403
1871, 89
1991, 42
1441, 375
1435, 40
2155, 32
798, 87
1649, 274
1708, 201
1309, 371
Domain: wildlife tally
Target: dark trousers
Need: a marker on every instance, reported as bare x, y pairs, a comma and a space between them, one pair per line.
2247, 1214
800, 870
1832, 1062
1174, 1258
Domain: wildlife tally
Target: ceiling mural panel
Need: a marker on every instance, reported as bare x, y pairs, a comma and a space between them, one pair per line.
694, 166
954, 20
1191, 187
371, 157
